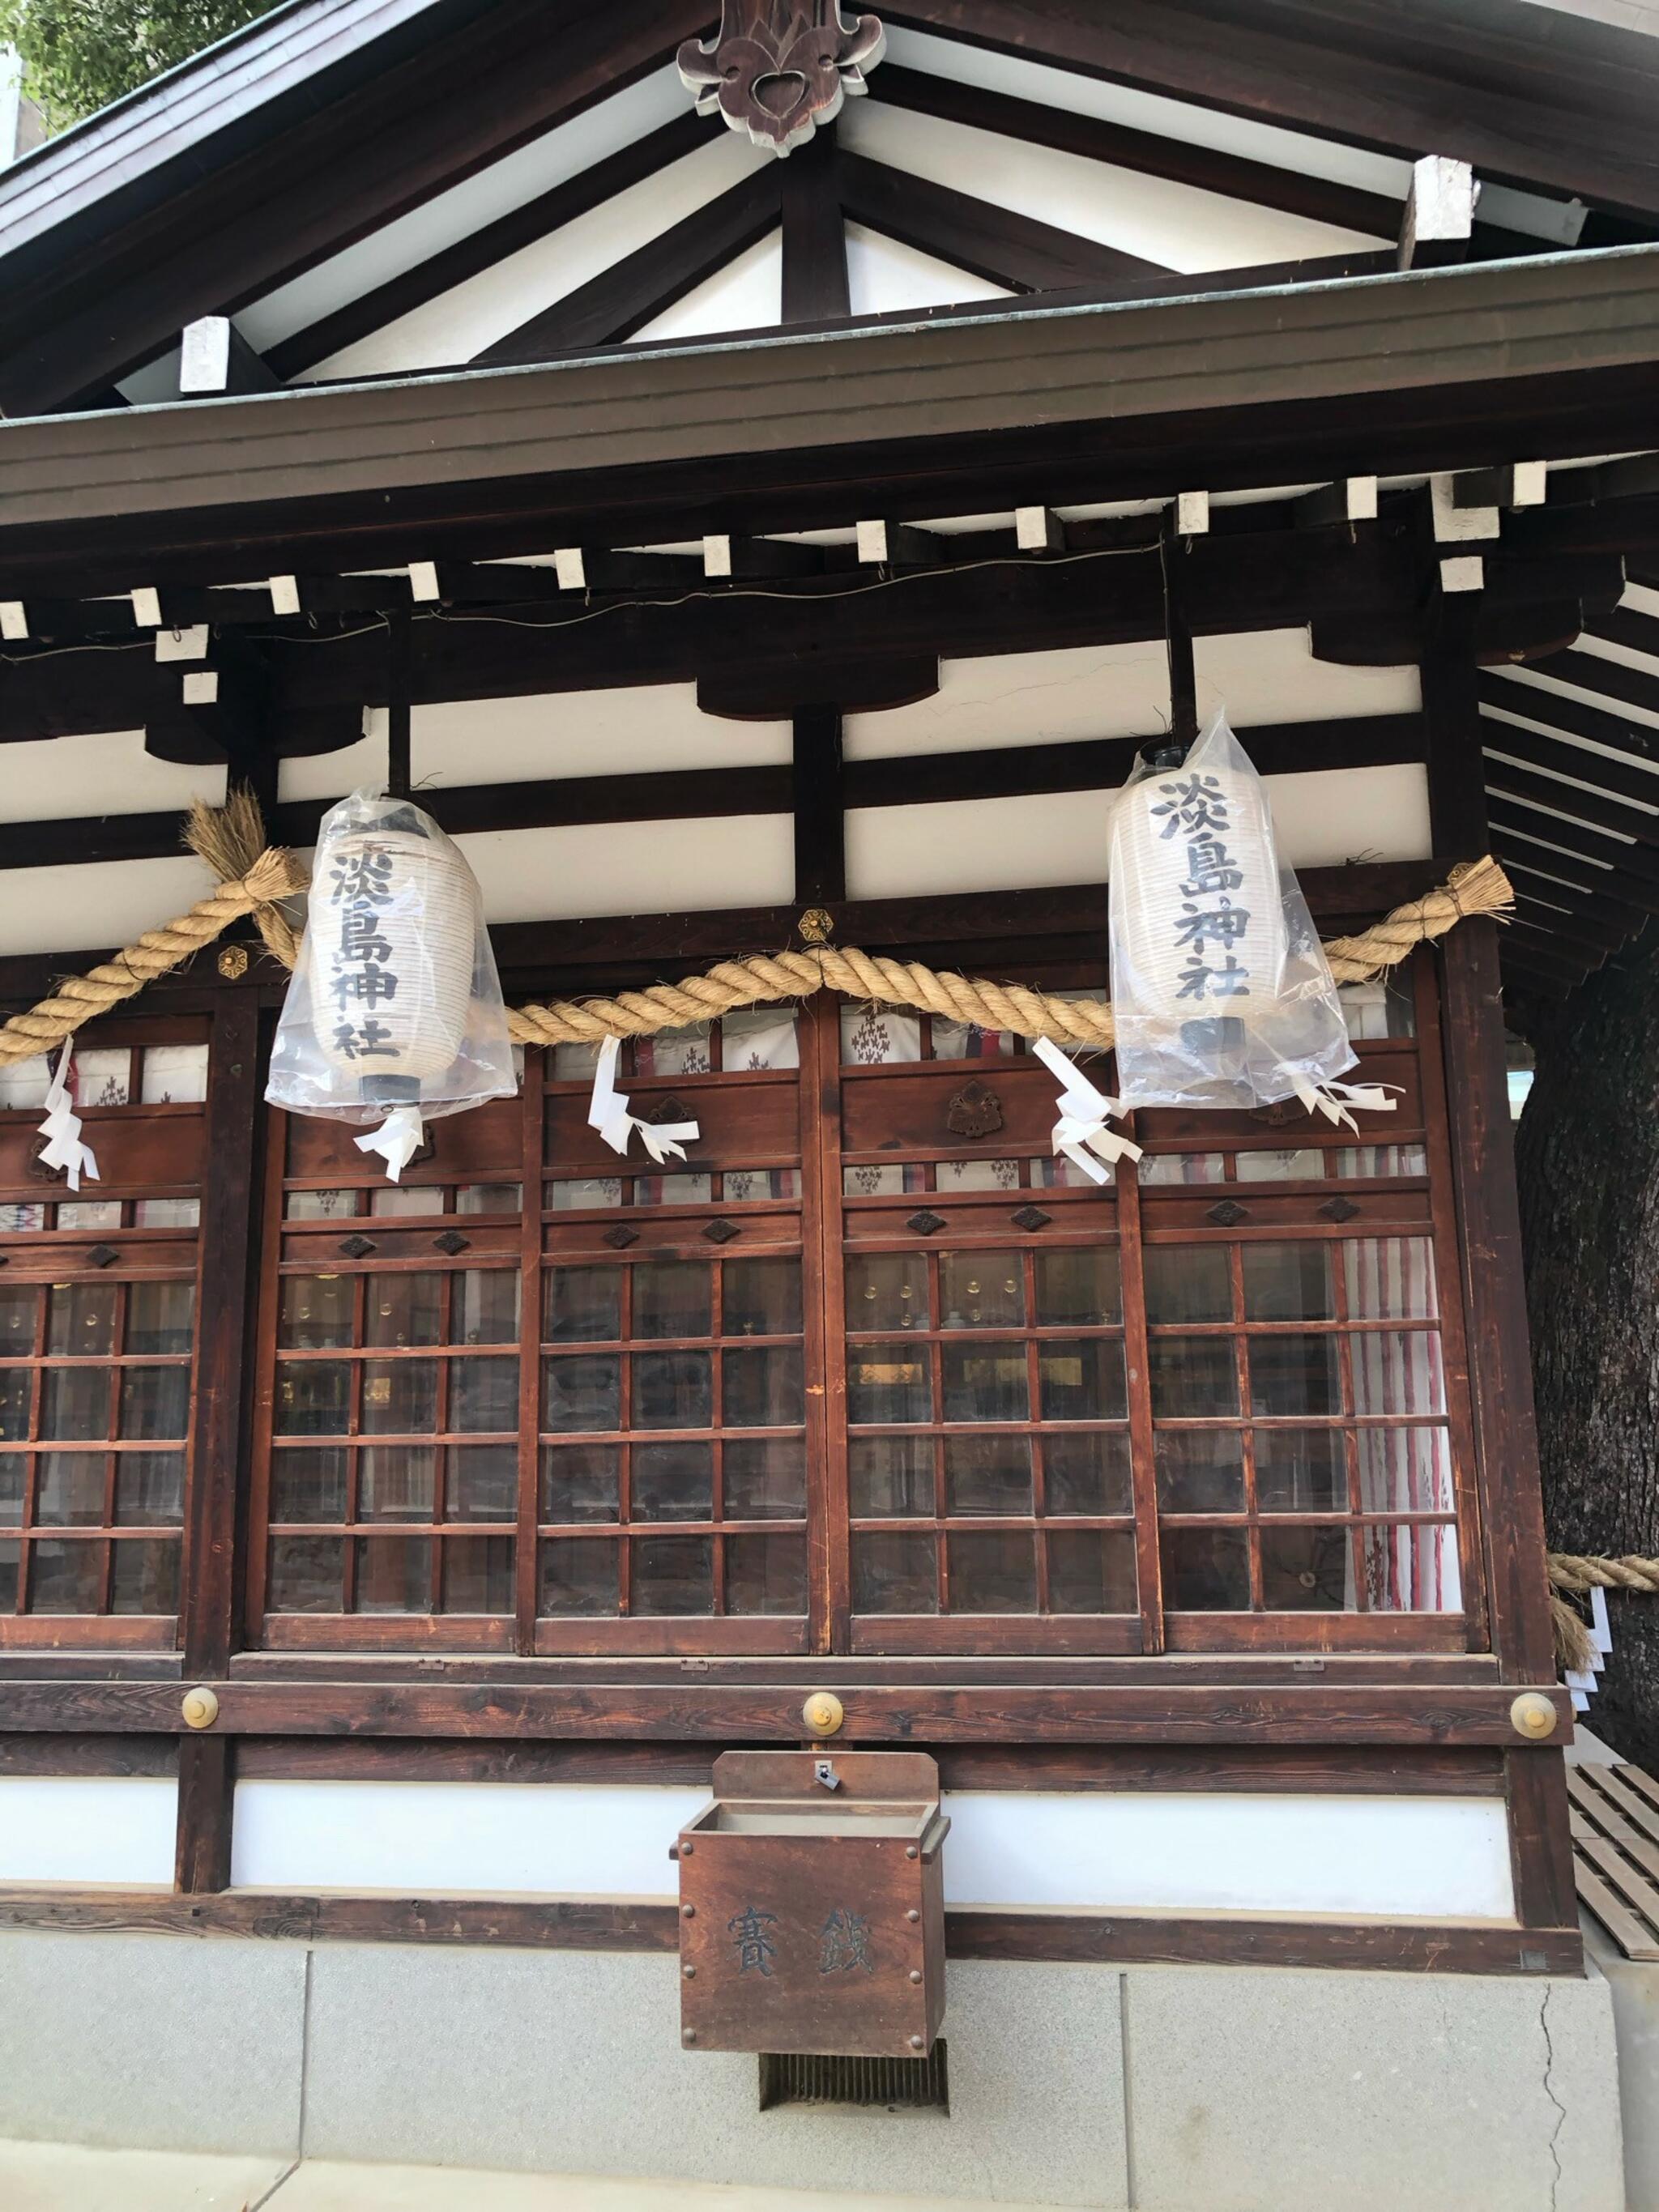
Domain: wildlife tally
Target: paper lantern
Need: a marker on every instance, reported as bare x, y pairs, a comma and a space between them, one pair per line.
394, 1015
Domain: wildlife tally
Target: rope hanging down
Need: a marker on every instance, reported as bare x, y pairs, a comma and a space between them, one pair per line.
1574, 1572
255, 877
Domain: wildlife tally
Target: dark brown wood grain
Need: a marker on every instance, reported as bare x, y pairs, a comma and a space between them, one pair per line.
1540, 1840
815, 280
207, 1788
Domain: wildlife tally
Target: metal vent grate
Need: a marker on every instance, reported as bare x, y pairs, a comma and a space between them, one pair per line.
793, 2077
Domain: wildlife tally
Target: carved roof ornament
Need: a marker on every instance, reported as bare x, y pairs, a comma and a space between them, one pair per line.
779, 67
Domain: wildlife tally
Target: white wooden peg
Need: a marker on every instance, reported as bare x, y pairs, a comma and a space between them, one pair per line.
13, 619
1038, 529
1463, 572
1193, 514
201, 687
147, 606
284, 595
716, 554
190, 644
204, 354
423, 580
570, 569
1361, 499
872, 543
1530, 483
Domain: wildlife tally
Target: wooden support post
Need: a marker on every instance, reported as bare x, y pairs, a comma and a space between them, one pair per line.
820, 809
815, 280
207, 1787
397, 763
1178, 639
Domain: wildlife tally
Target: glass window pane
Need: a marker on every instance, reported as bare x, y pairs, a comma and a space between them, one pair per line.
585, 1195
993, 1571
673, 1482
168, 1213
478, 1574
149, 1489
894, 1571
743, 1185
672, 1575
71, 1493
1412, 1568
1193, 1377
487, 1198
1187, 1283
484, 1396
481, 1482
308, 1485
319, 1206
1405, 1471
485, 1308
889, 1382
673, 1390
1295, 1375
1299, 1163
15, 1385
1370, 1160
20, 1304
761, 1388
889, 1478
90, 1214
1079, 1290
155, 1401
307, 1574
1206, 1570
65, 1576
580, 1577
1182, 1167
81, 1323
1087, 1472
16, 1217
580, 1482
766, 1574
887, 1289
1301, 1471
405, 1198
313, 1397
394, 1574
75, 1404
672, 1297
10, 1557
14, 1476
982, 1290
765, 1478
1398, 1374
316, 1313
673, 1189
988, 1474
874, 1036
1288, 1282
986, 1383
1085, 1380
144, 1575
160, 1316
1199, 1471
403, 1309
1307, 1571
397, 1482
1091, 1571
400, 1397
583, 1305
761, 1298
1390, 1279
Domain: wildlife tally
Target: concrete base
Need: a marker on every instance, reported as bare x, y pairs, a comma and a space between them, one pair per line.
1169, 2089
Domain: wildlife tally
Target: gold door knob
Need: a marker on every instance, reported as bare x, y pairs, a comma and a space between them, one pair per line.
200, 1708
823, 1712
1533, 1715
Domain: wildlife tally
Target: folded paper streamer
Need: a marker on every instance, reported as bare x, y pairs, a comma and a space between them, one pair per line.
62, 1129
1333, 1099
1081, 1134
608, 1113
397, 1139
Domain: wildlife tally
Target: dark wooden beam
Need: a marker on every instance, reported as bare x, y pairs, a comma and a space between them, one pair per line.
1625, 779
1147, 152
1565, 106
1627, 626
372, 310
988, 241
1630, 871
649, 281
1552, 878
1576, 716
1611, 679
1597, 808
815, 278
207, 1789
820, 809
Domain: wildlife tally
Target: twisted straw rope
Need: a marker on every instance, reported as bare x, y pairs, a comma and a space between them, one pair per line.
1577, 1572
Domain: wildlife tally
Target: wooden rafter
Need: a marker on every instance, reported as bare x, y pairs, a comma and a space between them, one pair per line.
816, 287
648, 281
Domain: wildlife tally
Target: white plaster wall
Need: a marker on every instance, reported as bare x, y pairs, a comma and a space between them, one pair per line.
1402, 1856
81, 1830
883, 275
634, 867
78, 907
747, 294
56, 779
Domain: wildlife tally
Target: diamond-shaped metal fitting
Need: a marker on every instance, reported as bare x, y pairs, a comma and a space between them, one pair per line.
451, 1242
721, 1232
102, 1255
1339, 1209
356, 1248
1228, 1212
1032, 1217
925, 1223
620, 1237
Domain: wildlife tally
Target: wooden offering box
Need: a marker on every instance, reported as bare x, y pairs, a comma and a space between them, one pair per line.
812, 1905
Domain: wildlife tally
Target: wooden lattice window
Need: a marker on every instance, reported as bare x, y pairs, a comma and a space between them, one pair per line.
98, 1291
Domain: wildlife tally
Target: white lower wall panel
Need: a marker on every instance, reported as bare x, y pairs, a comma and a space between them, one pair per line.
1407, 1857
81, 906
109, 772
82, 1829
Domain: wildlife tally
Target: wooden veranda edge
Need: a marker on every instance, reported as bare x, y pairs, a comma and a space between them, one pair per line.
762, 1713
632, 1924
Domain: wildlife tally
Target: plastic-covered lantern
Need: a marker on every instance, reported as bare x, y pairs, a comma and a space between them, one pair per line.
1222, 995
394, 1015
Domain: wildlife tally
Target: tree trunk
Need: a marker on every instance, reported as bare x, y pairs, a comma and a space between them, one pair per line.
1587, 1155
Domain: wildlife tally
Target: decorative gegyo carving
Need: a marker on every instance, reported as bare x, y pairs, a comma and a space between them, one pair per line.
779, 67
973, 1112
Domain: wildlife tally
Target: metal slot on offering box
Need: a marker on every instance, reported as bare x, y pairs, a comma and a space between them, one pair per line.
812, 1905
